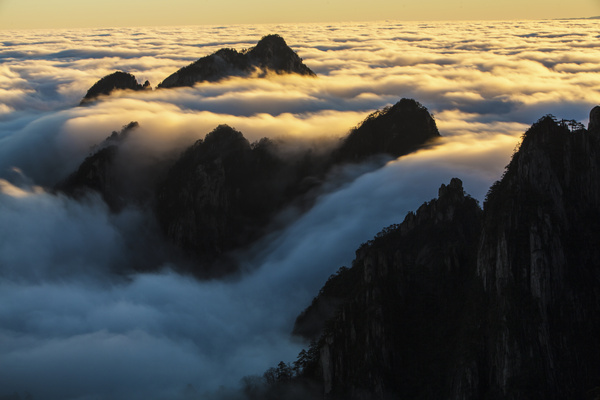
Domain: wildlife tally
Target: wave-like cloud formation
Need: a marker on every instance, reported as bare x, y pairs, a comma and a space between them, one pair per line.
77, 323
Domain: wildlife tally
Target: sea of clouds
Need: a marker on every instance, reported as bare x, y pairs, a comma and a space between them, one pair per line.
75, 323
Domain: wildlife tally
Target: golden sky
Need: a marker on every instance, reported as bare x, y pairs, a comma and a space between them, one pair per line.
111, 13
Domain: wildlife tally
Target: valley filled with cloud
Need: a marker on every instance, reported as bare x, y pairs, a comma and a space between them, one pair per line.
77, 318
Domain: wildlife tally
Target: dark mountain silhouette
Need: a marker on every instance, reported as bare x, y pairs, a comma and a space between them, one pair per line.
394, 130
271, 54
219, 193
454, 303
99, 172
594, 124
116, 80
223, 192
539, 263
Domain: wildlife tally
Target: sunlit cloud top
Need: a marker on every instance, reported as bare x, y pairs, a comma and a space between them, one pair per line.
65, 319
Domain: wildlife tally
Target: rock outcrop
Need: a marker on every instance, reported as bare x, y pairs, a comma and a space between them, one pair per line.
458, 305
116, 81
271, 54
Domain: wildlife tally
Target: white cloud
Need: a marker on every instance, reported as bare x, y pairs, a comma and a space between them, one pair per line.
70, 328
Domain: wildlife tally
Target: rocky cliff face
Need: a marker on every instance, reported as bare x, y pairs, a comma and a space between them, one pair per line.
270, 54
408, 322
539, 263
450, 304
115, 81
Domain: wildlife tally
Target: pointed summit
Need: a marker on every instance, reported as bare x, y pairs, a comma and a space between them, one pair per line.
271, 54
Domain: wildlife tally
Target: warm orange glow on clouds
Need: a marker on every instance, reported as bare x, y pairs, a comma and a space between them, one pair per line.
66, 313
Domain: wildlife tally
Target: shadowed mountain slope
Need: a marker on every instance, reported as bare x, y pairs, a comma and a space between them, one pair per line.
223, 192
458, 304
100, 173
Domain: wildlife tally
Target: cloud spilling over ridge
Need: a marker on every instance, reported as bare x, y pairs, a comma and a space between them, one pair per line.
155, 333
72, 328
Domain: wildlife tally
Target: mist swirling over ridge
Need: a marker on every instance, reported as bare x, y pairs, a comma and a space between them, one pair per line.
71, 329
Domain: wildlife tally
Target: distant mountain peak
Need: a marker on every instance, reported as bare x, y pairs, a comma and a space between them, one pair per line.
271, 54
118, 80
395, 130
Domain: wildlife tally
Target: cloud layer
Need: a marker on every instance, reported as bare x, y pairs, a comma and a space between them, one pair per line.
77, 323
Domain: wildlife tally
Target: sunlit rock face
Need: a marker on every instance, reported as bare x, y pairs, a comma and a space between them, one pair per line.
115, 81
271, 54
455, 304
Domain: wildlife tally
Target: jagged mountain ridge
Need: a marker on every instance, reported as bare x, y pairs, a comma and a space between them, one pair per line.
232, 190
459, 305
271, 54
222, 193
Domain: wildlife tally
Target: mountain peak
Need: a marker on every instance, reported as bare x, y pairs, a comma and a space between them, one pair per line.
395, 130
272, 40
271, 54
115, 81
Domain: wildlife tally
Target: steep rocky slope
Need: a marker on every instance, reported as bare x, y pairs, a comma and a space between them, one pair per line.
452, 304
408, 321
539, 263
270, 54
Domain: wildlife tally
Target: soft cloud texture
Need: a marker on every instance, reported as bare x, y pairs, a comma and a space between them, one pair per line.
77, 321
